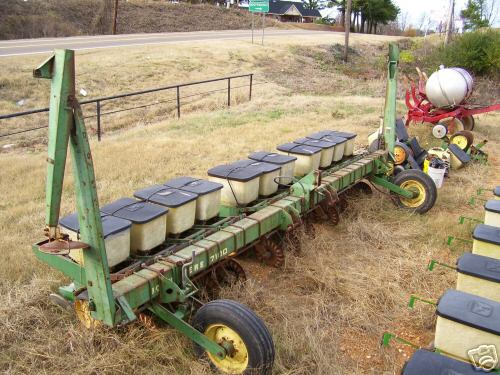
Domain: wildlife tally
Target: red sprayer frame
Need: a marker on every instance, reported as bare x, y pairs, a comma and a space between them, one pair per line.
420, 109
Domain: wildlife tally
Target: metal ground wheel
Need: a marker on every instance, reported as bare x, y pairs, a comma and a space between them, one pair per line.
248, 344
419, 183
469, 122
270, 253
452, 125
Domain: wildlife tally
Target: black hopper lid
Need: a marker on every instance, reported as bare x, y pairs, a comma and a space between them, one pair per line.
424, 362
487, 233
470, 310
321, 143
194, 185
493, 205
165, 195
136, 211
272, 157
479, 266
110, 224
235, 172
295, 148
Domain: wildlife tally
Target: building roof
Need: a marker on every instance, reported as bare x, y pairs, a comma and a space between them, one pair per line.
284, 7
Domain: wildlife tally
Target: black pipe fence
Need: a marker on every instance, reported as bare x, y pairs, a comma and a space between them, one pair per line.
177, 88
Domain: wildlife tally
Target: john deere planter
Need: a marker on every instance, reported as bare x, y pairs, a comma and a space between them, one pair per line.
153, 253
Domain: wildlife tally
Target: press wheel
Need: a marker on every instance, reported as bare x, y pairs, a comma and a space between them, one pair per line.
463, 139
420, 183
270, 253
248, 344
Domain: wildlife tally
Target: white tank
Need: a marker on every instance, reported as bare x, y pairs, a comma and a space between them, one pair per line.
449, 87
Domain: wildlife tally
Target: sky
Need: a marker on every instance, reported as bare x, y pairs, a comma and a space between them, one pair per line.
436, 9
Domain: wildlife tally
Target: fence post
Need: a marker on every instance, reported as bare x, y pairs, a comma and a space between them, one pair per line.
178, 102
229, 92
98, 110
250, 92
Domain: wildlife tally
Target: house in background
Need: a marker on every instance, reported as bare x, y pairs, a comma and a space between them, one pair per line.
292, 11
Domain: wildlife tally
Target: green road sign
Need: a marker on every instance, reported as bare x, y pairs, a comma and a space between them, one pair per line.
259, 6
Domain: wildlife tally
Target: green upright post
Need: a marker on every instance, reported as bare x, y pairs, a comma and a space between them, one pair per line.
66, 123
390, 99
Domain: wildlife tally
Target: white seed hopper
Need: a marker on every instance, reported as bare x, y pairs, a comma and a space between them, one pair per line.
492, 213
327, 149
486, 241
240, 184
308, 157
286, 163
479, 275
116, 233
268, 180
208, 192
465, 322
181, 205
149, 222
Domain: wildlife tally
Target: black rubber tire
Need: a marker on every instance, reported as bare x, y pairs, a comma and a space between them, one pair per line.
247, 324
422, 178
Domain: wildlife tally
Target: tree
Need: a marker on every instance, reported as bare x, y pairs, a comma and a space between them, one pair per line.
311, 4
477, 14
347, 28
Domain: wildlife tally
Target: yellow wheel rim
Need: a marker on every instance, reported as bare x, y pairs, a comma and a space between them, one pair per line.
461, 141
399, 155
236, 360
416, 187
82, 312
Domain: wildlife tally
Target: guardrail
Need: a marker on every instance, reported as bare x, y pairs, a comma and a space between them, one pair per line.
98, 101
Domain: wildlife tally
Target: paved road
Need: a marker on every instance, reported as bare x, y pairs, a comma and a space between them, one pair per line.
44, 45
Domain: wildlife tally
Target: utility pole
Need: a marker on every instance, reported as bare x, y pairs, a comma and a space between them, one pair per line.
347, 27
449, 23
115, 16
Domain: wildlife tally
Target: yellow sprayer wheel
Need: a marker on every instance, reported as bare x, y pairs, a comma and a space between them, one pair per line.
463, 139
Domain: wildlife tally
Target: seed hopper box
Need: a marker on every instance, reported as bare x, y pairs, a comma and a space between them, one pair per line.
181, 206
486, 241
286, 163
116, 233
240, 184
308, 157
208, 192
268, 180
479, 275
464, 322
492, 213
327, 149
149, 222
340, 142
425, 362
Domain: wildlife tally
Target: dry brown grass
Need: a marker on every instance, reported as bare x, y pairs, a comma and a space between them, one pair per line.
329, 305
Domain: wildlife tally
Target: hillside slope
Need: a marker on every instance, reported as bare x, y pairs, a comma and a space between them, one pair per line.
55, 18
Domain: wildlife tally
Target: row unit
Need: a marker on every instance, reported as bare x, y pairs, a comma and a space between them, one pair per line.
468, 318
261, 174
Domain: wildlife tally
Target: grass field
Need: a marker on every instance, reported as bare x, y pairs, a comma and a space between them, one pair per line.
328, 307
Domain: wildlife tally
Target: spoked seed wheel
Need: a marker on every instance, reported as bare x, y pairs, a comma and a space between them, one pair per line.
421, 184
270, 253
248, 343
